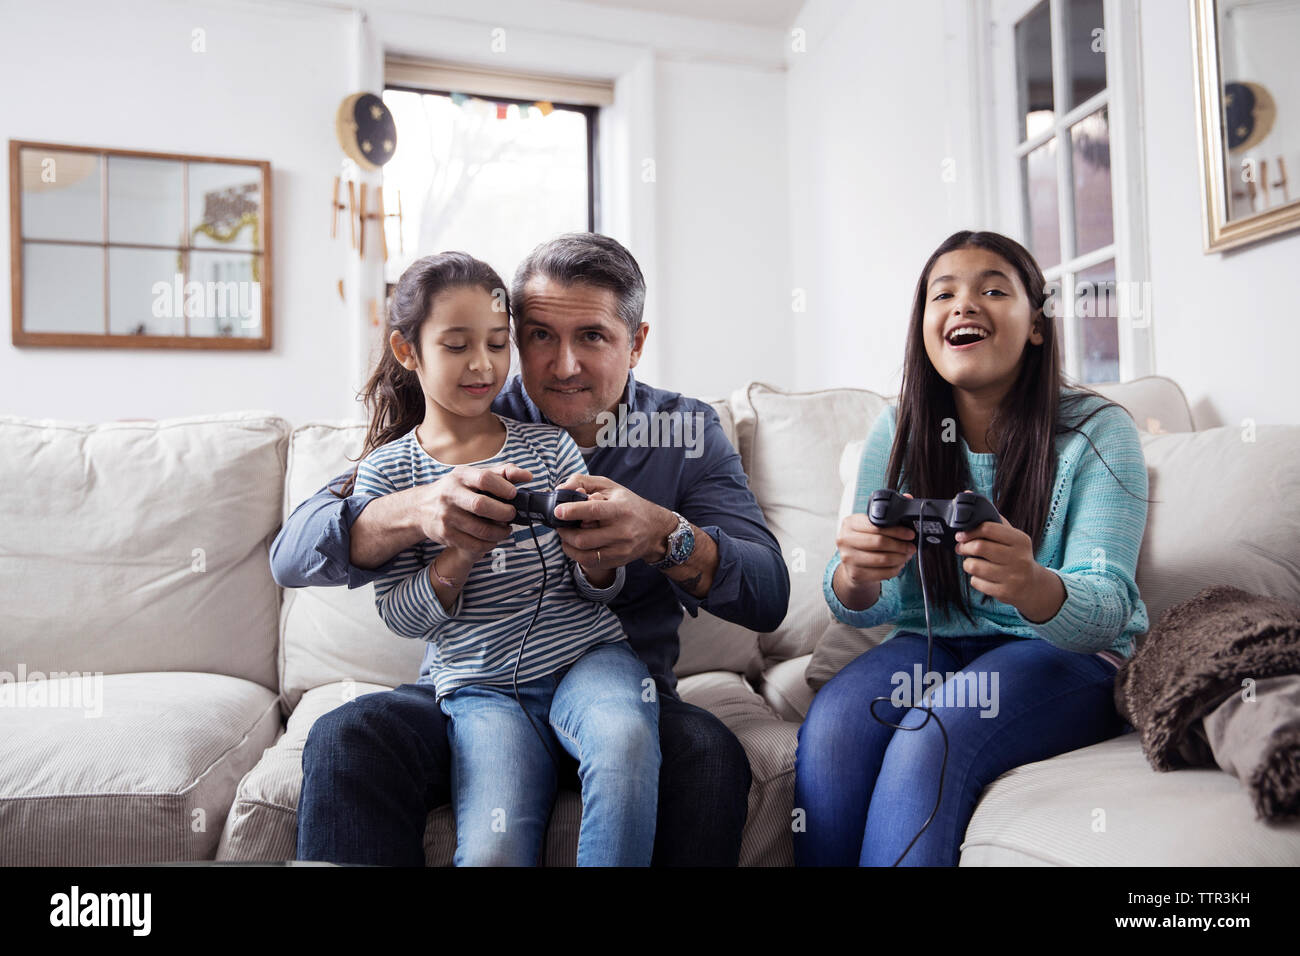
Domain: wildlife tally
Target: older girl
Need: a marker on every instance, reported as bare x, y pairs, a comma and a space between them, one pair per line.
1031, 616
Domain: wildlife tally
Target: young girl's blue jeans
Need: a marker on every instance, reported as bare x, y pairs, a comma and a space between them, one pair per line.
866, 788
603, 709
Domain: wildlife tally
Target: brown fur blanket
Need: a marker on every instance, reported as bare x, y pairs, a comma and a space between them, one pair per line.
1200, 654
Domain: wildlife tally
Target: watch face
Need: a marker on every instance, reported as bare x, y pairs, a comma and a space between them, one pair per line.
683, 545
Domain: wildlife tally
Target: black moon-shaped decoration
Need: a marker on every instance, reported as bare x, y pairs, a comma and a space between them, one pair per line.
1238, 113
366, 130
1248, 114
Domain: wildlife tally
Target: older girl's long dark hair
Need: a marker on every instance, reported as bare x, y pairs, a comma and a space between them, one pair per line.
393, 394
1025, 427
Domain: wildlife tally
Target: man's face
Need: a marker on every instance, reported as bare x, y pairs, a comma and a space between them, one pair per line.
574, 349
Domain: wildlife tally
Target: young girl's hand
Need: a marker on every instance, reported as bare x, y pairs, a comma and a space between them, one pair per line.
1000, 561
466, 548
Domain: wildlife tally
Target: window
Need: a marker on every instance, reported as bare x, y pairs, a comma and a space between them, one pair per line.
1068, 179
486, 173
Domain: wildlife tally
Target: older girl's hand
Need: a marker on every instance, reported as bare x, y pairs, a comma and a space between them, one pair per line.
870, 555
1000, 561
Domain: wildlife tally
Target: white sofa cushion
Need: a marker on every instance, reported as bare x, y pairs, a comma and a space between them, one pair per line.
263, 821
709, 643
334, 634
1224, 510
149, 779
141, 546
786, 689
1156, 403
1103, 805
792, 443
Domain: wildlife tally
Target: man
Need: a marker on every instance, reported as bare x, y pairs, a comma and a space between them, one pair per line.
676, 512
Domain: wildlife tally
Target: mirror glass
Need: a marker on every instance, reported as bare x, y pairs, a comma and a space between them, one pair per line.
62, 196
126, 248
1260, 91
144, 201
63, 288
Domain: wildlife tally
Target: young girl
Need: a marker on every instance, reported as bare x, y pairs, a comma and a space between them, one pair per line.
1029, 618
575, 683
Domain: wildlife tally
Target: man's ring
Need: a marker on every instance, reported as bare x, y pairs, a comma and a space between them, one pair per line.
598, 555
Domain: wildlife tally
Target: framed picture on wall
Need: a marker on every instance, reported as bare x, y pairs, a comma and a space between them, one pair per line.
114, 248
1248, 118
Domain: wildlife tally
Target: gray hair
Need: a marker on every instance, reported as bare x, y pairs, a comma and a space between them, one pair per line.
591, 258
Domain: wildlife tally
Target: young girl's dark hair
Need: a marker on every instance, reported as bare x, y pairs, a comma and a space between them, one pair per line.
1025, 427
393, 394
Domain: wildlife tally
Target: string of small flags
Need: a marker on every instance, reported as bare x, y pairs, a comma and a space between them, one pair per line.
503, 109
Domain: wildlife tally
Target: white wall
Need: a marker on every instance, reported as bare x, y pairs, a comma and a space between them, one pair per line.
876, 104
723, 226
703, 100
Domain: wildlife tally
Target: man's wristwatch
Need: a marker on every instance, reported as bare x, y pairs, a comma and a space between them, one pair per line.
680, 545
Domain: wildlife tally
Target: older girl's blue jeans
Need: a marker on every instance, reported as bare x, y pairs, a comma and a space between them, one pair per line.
865, 788
604, 711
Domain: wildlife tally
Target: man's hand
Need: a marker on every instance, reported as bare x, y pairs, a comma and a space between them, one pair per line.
452, 511
618, 526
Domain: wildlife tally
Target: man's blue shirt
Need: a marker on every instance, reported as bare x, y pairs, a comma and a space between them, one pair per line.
702, 480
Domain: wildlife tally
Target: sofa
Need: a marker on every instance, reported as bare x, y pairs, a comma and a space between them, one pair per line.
157, 686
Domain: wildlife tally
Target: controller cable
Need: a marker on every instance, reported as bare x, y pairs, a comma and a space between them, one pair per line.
541, 591
929, 711
514, 679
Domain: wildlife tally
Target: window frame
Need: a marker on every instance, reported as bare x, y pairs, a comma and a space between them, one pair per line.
1121, 97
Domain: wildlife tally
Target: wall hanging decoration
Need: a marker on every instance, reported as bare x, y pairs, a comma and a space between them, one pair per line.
1248, 117
368, 136
116, 248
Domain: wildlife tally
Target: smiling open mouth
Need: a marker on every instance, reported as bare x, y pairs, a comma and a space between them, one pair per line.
966, 337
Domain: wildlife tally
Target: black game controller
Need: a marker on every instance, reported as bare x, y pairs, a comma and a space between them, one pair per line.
943, 518
539, 506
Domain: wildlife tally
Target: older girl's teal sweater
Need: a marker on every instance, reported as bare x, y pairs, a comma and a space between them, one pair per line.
1091, 541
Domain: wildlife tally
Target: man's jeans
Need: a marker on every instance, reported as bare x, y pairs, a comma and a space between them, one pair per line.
374, 768
503, 778
867, 788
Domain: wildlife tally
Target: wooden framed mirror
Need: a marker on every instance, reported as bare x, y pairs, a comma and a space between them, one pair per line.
1248, 118
115, 248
